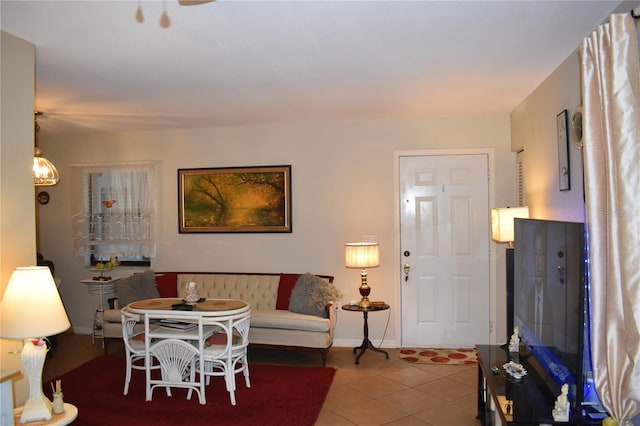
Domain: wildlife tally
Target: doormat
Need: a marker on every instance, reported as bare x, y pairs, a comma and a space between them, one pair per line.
439, 356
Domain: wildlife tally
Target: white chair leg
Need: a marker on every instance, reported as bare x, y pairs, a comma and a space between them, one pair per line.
246, 376
127, 377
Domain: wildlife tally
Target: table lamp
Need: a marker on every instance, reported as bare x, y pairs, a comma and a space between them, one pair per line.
502, 232
502, 223
362, 256
31, 310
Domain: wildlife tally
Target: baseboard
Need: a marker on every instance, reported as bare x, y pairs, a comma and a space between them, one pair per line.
346, 343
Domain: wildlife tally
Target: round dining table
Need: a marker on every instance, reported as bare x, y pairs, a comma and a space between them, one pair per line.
173, 318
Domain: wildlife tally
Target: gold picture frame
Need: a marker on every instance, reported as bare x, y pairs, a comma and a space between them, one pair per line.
235, 199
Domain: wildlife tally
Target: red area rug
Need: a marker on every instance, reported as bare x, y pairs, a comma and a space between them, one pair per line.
439, 356
279, 395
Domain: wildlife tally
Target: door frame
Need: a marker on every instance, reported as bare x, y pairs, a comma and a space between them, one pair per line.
397, 263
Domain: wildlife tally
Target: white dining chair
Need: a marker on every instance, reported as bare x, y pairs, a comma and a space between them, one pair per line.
178, 361
133, 344
225, 353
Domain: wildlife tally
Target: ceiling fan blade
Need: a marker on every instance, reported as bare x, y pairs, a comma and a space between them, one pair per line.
193, 2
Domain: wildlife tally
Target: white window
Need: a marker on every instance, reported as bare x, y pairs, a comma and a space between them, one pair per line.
114, 212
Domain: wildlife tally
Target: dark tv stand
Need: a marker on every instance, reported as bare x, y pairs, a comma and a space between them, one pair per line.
529, 400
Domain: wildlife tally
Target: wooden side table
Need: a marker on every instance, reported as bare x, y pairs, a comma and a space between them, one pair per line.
69, 414
366, 343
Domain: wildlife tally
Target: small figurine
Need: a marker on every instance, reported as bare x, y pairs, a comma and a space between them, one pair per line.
561, 409
514, 343
191, 295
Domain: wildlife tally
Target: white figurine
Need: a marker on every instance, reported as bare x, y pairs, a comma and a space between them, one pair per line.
191, 295
561, 409
514, 343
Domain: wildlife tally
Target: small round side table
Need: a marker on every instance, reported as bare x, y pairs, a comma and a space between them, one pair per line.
366, 343
67, 416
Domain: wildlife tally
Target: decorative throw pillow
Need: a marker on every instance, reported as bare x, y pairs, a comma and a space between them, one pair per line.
148, 287
167, 284
285, 286
311, 294
136, 287
127, 290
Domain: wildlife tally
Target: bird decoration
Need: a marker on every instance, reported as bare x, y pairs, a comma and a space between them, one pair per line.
109, 203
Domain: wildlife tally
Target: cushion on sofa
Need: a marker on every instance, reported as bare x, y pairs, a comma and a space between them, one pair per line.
148, 286
166, 284
287, 320
136, 287
285, 286
311, 295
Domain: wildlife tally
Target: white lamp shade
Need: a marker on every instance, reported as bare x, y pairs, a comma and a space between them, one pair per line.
361, 255
31, 306
502, 222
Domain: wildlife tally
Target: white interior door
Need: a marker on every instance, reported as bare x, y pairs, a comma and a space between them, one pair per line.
444, 220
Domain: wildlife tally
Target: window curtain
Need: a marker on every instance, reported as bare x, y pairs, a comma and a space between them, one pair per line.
113, 211
610, 91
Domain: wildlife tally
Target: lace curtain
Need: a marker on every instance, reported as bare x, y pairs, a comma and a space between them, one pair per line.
113, 210
611, 106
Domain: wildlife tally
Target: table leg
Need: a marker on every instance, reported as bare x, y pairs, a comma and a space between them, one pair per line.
366, 343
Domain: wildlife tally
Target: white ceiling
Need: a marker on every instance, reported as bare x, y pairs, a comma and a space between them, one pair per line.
234, 62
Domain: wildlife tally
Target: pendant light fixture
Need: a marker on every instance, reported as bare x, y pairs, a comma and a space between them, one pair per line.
44, 172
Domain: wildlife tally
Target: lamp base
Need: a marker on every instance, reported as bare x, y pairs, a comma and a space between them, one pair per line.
38, 406
364, 290
364, 303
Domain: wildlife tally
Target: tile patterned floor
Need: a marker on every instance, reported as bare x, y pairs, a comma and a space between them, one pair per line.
375, 392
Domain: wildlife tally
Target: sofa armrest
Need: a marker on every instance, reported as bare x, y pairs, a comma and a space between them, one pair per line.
112, 316
113, 303
332, 309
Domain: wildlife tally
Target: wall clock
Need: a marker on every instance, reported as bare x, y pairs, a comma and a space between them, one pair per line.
576, 128
43, 197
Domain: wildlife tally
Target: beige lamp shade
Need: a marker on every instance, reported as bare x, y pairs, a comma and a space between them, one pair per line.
31, 305
361, 255
502, 222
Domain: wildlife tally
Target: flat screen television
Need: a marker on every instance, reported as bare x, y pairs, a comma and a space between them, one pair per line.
551, 304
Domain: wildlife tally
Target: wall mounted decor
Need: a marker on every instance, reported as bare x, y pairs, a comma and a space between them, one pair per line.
235, 199
43, 197
576, 128
563, 151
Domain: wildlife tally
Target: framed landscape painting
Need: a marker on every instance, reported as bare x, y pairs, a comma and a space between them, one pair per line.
235, 199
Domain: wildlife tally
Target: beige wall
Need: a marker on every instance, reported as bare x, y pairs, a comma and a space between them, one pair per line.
533, 129
342, 188
17, 215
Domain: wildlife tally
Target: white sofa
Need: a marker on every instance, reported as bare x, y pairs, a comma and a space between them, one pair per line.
271, 325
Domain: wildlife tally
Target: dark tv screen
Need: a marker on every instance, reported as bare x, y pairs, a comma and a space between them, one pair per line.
549, 298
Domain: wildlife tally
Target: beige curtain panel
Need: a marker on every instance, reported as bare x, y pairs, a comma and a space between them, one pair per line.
610, 82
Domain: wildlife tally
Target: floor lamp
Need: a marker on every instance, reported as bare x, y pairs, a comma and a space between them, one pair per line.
502, 232
32, 308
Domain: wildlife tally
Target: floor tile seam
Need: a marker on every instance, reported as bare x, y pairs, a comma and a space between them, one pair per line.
430, 394
377, 404
343, 417
401, 418
382, 401
453, 404
403, 383
352, 404
384, 395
